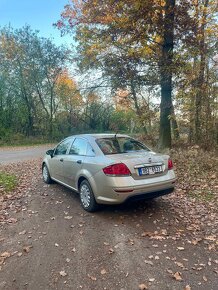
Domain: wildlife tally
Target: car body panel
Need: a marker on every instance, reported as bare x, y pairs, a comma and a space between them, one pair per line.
68, 170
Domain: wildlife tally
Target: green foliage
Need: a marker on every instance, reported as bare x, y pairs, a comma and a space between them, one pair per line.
8, 182
29, 70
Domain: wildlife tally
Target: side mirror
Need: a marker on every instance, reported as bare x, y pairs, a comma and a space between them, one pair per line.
50, 152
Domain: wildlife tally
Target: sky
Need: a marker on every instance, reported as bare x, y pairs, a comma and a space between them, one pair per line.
39, 14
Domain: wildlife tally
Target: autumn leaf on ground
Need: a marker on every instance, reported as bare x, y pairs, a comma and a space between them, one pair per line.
180, 248
103, 271
111, 251
146, 234
26, 249
68, 217
143, 287
148, 262
92, 277
5, 255
177, 276
179, 264
63, 273
187, 287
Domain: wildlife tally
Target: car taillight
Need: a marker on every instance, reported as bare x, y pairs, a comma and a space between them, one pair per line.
117, 169
170, 164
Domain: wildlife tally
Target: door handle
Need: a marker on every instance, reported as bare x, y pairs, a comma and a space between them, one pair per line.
79, 161
61, 159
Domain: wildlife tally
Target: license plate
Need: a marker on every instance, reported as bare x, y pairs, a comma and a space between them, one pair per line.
149, 170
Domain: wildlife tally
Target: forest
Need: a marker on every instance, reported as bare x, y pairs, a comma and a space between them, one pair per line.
136, 67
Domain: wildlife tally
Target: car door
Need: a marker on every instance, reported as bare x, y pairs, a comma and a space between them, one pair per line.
57, 161
73, 161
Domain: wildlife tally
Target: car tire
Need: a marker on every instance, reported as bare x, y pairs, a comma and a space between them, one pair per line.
87, 197
46, 175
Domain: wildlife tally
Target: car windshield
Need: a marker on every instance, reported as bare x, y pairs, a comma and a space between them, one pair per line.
119, 145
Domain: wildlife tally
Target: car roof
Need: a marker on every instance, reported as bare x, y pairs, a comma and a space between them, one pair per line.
100, 135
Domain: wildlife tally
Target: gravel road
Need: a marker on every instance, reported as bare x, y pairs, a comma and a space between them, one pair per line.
49, 242
8, 155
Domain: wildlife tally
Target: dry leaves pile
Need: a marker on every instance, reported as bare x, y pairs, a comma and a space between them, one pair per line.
27, 174
196, 196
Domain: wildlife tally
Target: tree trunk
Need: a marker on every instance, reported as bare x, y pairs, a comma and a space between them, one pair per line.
138, 110
174, 124
200, 82
166, 76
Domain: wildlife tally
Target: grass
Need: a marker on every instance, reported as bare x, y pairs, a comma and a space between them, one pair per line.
8, 182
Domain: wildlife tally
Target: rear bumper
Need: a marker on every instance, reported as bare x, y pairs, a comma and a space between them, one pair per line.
121, 197
118, 190
150, 195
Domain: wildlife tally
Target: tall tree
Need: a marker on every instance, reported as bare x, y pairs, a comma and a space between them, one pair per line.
166, 62
131, 41
30, 67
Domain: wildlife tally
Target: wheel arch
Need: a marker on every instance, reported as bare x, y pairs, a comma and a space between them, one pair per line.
80, 180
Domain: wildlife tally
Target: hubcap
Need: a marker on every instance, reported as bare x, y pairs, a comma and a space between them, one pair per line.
45, 173
85, 195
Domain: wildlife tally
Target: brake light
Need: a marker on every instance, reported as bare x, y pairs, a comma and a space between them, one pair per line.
117, 169
170, 164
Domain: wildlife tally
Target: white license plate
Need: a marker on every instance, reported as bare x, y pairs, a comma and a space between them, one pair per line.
149, 170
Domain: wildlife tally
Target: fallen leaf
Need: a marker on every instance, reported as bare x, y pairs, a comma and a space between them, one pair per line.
146, 234
180, 248
22, 233
68, 217
179, 264
2, 260
63, 273
111, 251
103, 271
211, 238
205, 278
92, 277
27, 248
149, 262
177, 276
12, 221
143, 287
187, 287
5, 255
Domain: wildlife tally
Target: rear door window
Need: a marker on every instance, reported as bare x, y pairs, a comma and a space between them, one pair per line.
79, 147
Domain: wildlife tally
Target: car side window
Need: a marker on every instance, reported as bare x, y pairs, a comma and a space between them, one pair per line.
61, 149
79, 147
90, 151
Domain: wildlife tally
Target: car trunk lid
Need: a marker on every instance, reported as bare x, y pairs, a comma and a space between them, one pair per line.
143, 164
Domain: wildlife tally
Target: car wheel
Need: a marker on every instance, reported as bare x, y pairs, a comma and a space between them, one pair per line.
87, 197
46, 175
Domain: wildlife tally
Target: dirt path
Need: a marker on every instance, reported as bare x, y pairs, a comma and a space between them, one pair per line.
48, 242
16, 154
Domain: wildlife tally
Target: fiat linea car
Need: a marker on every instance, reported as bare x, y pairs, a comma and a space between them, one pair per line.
108, 169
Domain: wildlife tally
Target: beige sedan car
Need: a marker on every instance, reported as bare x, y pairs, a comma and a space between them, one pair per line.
108, 169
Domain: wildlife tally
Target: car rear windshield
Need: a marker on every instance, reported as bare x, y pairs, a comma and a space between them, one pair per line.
119, 145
